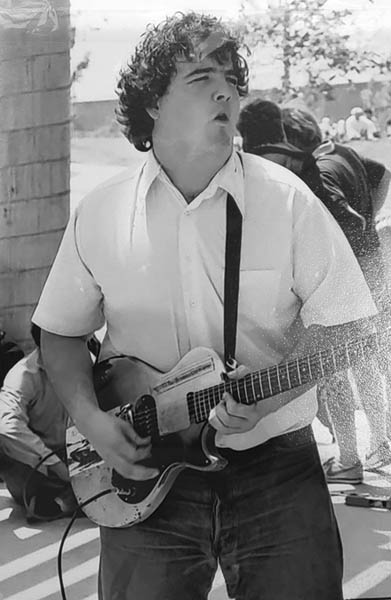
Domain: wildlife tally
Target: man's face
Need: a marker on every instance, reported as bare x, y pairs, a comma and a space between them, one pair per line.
200, 107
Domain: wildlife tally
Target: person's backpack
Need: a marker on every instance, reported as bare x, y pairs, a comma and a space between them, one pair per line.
301, 163
346, 179
10, 354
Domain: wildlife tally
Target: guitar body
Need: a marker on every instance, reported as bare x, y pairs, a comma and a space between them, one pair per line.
156, 404
173, 408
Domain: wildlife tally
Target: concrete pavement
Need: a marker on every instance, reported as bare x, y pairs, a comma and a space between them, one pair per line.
28, 553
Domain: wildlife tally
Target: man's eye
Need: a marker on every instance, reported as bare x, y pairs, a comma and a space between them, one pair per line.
203, 78
232, 79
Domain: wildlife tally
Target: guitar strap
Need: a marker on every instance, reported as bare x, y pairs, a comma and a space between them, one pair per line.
233, 244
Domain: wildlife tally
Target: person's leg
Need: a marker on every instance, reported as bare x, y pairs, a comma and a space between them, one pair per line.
39, 491
342, 407
167, 557
323, 413
371, 379
371, 387
279, 538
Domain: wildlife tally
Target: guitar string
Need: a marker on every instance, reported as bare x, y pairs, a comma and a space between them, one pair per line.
202, 401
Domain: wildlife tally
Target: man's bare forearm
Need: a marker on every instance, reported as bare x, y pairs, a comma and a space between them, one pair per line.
69, 367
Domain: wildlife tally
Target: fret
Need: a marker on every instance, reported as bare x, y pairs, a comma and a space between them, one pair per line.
284, 377
309, 367
239, 395
294, 377
298, 370
262, 393
278, 379
316, 368
304, 372
269, 382
259, 395
255, 397
321, 363
245, 392
265, 383
289, 377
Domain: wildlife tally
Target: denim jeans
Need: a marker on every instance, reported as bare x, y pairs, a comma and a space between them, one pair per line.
266, 519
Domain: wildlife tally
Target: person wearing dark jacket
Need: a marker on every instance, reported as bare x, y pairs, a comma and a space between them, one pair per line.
358, 190
262, 131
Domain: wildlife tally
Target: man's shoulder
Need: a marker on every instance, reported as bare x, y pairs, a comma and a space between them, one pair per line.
261, 168
112, 191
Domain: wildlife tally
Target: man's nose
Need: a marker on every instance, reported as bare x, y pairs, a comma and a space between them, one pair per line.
222, 94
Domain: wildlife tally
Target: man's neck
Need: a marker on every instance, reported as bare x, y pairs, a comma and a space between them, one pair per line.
191, 174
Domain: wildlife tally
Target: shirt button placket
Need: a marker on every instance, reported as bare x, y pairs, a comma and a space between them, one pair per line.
186, 249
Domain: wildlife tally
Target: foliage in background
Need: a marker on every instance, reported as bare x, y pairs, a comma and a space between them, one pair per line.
305, 37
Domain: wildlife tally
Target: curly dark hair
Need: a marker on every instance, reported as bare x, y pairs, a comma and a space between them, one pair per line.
153, 64
260, 123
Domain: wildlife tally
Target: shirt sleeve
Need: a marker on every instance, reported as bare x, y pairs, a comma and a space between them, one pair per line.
71, 303
20, 388
327, 276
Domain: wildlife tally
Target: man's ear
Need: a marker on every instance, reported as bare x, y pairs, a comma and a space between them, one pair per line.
153, 113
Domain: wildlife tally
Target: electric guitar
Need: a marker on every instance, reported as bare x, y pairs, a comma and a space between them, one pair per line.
173, 408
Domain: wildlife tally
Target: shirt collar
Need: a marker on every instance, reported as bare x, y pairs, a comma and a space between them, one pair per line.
230, 178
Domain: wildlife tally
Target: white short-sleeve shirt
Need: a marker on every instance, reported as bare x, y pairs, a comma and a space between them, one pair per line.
138, 258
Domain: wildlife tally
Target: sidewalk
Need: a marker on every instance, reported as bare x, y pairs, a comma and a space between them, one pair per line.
28, 553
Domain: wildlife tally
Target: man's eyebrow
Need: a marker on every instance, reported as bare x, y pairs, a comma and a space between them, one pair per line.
205, 70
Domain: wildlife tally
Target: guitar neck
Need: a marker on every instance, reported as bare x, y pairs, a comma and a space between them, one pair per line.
259, 385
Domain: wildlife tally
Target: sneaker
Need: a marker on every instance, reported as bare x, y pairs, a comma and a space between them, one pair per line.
381, 457
336, 472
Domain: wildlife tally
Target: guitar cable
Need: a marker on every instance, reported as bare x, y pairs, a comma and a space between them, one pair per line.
71, 521
67, 530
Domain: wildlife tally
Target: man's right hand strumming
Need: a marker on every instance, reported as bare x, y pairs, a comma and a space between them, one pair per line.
119, 445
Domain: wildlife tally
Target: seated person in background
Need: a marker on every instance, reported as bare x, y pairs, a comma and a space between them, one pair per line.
358, 126
32, 425
358, 189
261, 128
327, 128
373, 130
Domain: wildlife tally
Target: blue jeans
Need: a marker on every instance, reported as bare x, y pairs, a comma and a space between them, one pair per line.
267, 519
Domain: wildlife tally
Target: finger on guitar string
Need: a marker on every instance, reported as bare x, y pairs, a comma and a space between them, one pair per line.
224, 422
119, 445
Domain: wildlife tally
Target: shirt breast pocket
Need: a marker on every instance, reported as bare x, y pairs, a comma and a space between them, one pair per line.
258, 294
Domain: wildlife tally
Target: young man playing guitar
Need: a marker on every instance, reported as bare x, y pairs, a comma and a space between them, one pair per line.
145, 254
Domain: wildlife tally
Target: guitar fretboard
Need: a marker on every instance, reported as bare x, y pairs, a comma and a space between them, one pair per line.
259, 385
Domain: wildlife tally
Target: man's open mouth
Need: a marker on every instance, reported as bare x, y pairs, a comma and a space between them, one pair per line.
223, 117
